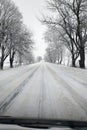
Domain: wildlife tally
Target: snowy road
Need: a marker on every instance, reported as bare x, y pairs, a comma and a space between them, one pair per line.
45, 91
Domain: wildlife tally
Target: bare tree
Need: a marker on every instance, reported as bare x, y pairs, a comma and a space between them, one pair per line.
26, 45
8, 15
79, 10
55, 47
71, 17
14, 36
50, 55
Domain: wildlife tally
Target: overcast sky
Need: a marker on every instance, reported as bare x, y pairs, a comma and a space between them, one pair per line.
31, 10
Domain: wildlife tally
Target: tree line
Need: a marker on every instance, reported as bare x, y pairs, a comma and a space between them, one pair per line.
67, 27
15, 39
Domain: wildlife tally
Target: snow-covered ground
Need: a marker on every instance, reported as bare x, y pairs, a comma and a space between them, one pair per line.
14, 127
44, 91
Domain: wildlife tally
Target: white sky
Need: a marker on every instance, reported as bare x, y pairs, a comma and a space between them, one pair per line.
31, 9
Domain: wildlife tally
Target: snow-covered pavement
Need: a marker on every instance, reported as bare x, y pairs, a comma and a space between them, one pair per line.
44, 91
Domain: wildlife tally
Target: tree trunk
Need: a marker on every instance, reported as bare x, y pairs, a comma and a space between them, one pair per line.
73, 61
11, 58
11, 63
60, 61
2, 59
1, 64
82, 57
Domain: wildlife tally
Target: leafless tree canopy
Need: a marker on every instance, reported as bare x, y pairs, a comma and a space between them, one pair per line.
15, 38
70, 18
55, 50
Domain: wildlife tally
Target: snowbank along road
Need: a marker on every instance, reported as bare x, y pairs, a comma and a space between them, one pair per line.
44, 91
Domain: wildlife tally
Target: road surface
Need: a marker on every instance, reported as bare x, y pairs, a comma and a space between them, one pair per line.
44, 91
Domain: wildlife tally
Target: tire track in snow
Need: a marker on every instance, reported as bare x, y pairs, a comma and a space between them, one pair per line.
77, 97
78, 80
10, 79
74, 77
41, 95
7, 101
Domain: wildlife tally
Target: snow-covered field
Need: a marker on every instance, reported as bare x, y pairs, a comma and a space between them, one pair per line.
44, 91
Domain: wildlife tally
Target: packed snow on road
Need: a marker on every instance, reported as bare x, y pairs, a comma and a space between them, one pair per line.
44, 91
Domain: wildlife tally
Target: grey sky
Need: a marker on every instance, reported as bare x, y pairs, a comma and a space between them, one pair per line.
30, 10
